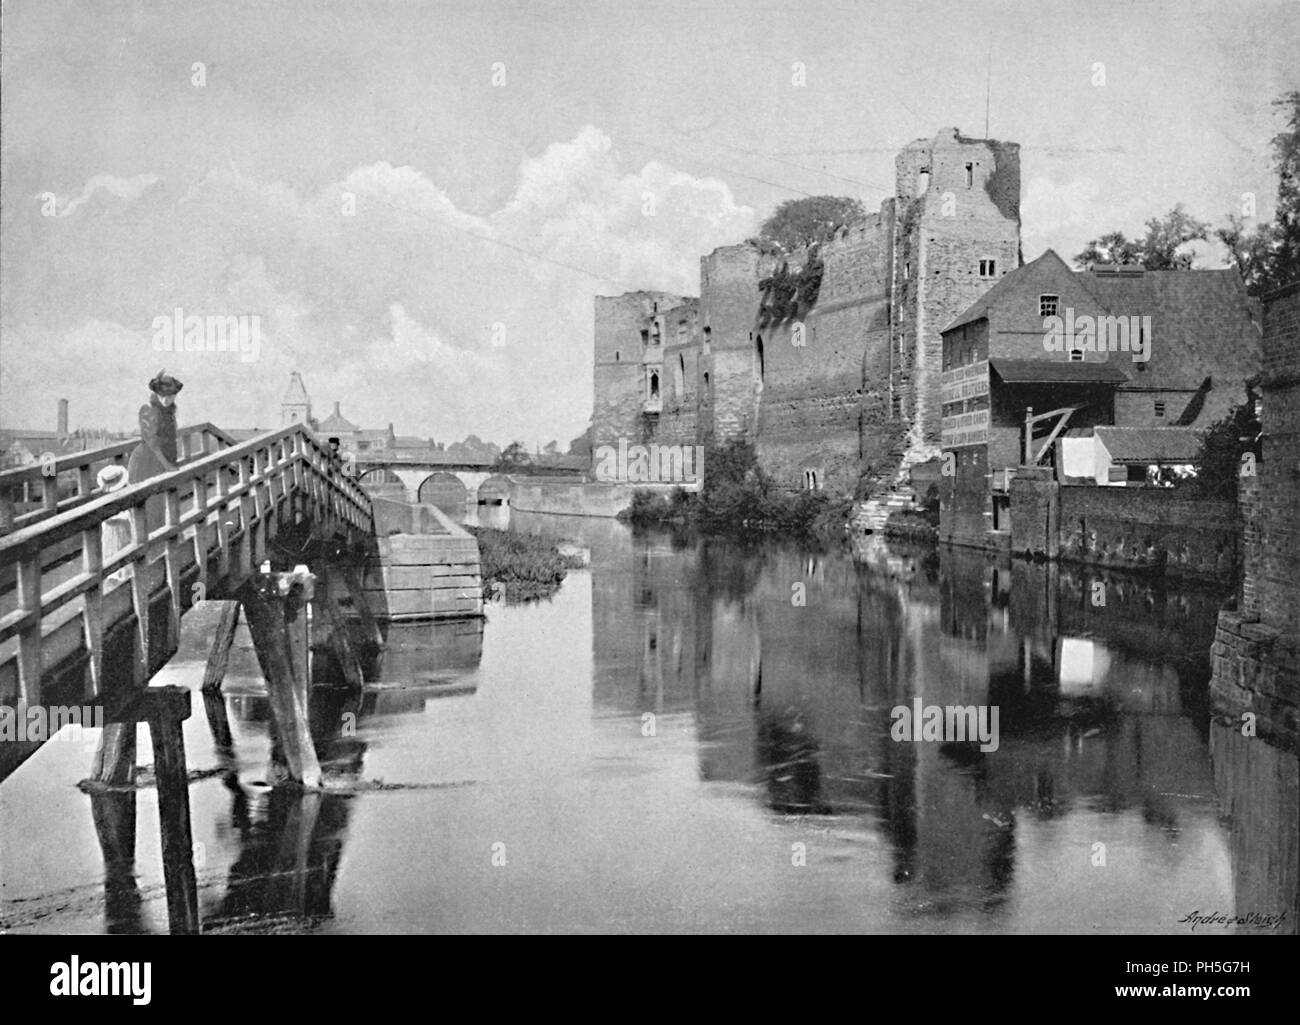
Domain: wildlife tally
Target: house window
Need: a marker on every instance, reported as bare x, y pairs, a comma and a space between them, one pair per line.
1048, 305
970, 175
1076, 355
988, 268
1160, 409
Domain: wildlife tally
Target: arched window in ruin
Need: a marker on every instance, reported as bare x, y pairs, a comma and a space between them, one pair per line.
654, 385
707, 393
679, 375
758, 351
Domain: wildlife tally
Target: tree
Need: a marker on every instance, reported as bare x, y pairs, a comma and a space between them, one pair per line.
512, 457
581, 445
801, 222
1158, 249
1225, 441
1269, 256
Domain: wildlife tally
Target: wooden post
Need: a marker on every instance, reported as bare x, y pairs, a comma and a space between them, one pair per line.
336, 627
273, 604
214, 706
219, 655
165, 708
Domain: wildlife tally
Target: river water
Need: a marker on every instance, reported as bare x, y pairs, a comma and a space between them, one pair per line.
695, 736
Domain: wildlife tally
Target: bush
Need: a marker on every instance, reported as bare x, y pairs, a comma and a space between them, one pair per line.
739, 500
529, 567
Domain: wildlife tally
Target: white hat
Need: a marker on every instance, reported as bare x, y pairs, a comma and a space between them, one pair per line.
111, 477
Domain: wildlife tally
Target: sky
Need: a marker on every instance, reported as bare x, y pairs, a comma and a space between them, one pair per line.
419, 200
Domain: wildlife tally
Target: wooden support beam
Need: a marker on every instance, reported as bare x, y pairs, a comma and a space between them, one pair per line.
333, 624
219, 654
274, 608
165, 708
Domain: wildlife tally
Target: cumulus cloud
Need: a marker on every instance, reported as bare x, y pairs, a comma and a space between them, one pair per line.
125, 189
378, 288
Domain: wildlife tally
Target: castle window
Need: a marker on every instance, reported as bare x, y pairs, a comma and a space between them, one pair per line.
706, 386
923, 181
988, 268
810, 481
758, 348
654, 385
970, 175
1160, 409
645, 336
907, 271
615, 355
1048, 305
679, 382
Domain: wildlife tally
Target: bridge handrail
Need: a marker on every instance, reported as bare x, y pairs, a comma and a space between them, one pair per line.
301, 466
87, 461
37, 536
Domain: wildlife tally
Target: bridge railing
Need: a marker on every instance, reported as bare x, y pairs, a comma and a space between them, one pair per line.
216, 507
52, 485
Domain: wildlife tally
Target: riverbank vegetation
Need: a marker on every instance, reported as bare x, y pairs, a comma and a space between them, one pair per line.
520, 567
739, 500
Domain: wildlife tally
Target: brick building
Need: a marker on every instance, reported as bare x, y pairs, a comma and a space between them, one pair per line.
1134, 349
843, 376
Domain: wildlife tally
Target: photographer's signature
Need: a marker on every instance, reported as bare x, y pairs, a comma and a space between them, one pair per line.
1251, 919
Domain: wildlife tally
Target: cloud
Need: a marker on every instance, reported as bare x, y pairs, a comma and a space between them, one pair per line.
377, 287
125, 189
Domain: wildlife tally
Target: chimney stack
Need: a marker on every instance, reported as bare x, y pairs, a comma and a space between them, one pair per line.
63, 416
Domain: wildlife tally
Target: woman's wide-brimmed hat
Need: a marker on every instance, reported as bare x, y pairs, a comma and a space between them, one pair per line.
110, 478
163, 384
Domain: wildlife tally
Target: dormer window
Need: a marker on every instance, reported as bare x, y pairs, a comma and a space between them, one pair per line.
1048, 305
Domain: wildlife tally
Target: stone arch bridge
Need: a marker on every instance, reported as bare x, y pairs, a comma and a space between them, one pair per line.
452, 486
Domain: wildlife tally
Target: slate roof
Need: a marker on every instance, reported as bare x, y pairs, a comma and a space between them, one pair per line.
1043, 371
1150, 444
1201, 317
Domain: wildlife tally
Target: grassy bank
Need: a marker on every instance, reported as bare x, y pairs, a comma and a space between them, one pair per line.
529, 567
739, 500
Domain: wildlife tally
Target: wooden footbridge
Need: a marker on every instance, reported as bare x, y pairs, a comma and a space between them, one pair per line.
94, 585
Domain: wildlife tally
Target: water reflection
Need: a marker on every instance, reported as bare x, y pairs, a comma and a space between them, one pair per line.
791, 664
675, 721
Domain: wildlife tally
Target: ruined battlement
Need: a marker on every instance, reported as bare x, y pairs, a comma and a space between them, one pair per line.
847, 382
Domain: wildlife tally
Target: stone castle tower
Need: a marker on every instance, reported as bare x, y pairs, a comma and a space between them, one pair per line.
957, 232
848, 383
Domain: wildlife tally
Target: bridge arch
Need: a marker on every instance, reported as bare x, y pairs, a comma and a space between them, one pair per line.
494, 491
445, 490
379, 475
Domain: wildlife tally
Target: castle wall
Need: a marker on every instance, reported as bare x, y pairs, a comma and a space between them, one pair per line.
857, 391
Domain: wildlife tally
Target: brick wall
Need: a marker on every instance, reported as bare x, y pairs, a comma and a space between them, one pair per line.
1256, 650
1149, 529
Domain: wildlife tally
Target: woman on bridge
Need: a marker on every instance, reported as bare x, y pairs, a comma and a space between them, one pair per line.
156, 452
